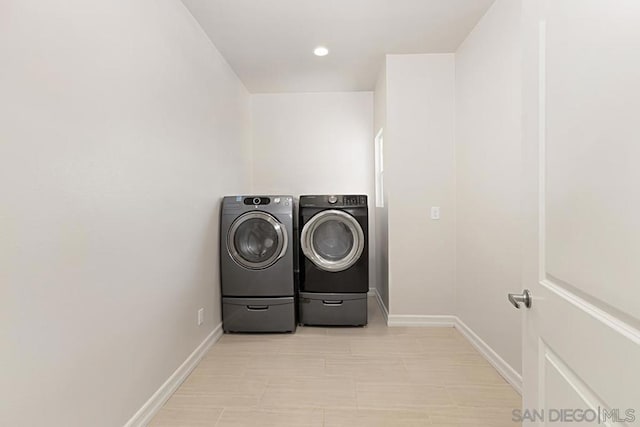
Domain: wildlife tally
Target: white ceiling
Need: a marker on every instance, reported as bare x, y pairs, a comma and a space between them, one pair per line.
269, 43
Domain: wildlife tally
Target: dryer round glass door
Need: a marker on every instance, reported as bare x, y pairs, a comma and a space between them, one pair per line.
333, 240
256, 240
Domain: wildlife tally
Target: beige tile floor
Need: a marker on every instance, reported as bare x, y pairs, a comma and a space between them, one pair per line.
372, 376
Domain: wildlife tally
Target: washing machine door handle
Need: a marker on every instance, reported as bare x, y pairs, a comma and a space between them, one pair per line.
322, 260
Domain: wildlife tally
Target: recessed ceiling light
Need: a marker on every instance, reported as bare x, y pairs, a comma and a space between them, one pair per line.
321, 51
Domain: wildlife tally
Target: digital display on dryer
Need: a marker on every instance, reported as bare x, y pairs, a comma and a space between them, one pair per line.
355, 200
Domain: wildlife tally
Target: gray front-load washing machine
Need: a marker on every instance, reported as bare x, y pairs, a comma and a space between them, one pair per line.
256, 264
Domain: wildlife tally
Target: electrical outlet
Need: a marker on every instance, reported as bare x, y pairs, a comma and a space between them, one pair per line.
200, 316
435, 212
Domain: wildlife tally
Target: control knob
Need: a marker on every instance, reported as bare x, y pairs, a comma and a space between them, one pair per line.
332, 199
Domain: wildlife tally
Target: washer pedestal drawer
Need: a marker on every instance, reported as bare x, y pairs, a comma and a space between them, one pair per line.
258, 314
333, 309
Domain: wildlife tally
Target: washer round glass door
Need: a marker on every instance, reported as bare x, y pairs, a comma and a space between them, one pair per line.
333, 240
256, 240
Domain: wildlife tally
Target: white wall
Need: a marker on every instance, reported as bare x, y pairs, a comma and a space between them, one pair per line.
420, 173
382, 213
121, 127
315, 143
488, 128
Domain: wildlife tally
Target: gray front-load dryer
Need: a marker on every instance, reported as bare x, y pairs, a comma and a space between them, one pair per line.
256, 264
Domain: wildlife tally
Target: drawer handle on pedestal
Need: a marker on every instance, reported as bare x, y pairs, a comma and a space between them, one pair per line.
332, 302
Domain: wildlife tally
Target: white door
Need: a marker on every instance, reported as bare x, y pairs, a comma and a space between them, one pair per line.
582, 246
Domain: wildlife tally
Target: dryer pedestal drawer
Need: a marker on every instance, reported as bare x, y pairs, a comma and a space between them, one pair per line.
258, 314
333, 309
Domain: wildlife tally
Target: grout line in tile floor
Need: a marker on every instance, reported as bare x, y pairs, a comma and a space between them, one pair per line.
219, 417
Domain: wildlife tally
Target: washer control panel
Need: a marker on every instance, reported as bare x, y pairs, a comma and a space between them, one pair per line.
257, 200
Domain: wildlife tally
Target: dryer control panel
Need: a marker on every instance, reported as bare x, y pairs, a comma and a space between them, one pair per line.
354, 200
334, 201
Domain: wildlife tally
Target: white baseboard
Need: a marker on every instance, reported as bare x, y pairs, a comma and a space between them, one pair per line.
372, 292
155, 402
503, 368
421, 320
506, 370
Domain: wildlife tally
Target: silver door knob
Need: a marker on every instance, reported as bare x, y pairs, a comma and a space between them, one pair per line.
523, 298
